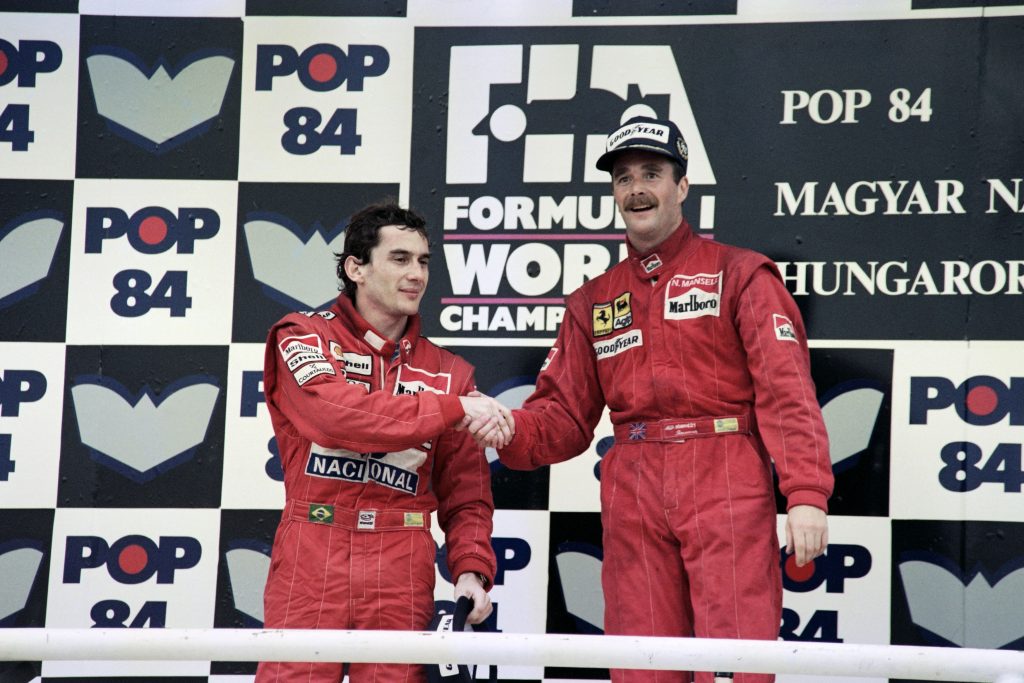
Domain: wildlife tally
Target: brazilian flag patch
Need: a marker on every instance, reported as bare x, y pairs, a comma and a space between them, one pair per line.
321, 514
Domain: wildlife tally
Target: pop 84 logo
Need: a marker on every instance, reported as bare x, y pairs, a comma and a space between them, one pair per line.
320, 68
20, 66
980, 401
150, 230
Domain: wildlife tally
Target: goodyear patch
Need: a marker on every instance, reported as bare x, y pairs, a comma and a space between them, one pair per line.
321, 514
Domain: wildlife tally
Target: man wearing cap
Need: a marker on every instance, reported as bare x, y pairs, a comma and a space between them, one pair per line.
700, 354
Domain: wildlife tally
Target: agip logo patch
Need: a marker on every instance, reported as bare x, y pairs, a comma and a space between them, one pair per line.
693, 296
613, 315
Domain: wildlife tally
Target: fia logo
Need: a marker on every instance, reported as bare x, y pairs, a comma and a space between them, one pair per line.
284, 259
490, 104
22, 64
160, 107
145, 435
130, 560
980, 401
320, 68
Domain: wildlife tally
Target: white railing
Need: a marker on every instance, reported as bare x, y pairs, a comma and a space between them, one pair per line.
626, 652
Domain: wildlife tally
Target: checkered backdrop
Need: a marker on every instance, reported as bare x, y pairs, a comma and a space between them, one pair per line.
175, 176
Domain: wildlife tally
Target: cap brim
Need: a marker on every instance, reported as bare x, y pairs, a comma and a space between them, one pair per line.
606, 162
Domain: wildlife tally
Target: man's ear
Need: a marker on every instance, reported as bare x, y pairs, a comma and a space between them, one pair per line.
354, 269
684, 188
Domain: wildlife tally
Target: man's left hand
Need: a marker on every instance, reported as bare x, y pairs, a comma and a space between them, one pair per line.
806, 533
470, 585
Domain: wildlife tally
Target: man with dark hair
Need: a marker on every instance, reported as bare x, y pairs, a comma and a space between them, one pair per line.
701, 355
369, 419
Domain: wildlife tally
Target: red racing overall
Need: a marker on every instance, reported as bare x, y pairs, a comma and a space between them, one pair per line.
363, 426
700, 354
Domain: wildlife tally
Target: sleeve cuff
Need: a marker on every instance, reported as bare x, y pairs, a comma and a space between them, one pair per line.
806, 497
451, 409
477, 566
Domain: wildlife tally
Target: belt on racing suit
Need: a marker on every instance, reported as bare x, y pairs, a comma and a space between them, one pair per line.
355, 520
681, 428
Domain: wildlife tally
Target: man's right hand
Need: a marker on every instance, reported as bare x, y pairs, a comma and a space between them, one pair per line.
489, 422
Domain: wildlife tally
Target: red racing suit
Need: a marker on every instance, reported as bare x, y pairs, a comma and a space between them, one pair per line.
364, 430
700, 354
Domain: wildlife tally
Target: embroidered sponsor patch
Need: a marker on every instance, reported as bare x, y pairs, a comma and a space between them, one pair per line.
412, 381
309, 343
299, 359
551, 356
612, 315
616, 345
693, 296
623, 313
655, 131
357, 363
726, 424
602, 319
784, 330
398, 471
321, 514
367, 519
326, 315
413, 519
311, 370
651, 263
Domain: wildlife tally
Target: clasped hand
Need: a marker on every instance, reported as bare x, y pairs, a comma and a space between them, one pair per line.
489, 423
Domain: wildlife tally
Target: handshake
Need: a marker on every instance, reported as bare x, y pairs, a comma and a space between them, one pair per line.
489, 423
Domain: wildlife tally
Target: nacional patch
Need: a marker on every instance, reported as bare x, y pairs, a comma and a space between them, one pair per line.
357, 363
616, 345
693, 296
398, 471
784, 330
412, 381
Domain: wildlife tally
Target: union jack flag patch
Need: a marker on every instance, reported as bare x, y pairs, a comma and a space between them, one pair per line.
637, 431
